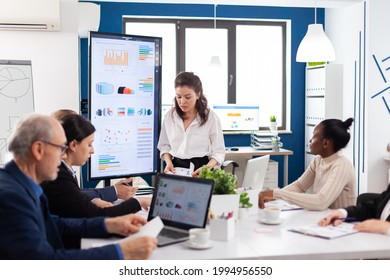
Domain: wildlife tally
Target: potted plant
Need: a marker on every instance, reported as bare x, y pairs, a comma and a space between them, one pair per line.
244, 205
273, 126
225, 183
225, 198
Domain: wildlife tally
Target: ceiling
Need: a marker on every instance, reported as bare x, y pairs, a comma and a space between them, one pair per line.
281, 3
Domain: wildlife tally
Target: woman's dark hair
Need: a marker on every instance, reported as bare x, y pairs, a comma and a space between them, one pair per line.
77, 128
338, 131
189, 79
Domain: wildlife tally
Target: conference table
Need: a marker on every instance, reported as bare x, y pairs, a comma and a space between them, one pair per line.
254, 240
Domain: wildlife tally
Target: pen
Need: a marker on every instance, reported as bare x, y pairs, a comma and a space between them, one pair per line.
211, 214
347, 219
230, 214
126, 184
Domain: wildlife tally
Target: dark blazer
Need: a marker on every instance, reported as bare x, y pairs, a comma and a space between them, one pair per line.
28, 231
370, 209
107, 193
67, 200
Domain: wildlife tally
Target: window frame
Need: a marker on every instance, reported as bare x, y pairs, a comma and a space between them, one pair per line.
230, 25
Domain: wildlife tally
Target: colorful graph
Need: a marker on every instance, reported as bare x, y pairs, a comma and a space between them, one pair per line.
104, 88
116, 57
115, 136
107, 162
145, 52
146, 85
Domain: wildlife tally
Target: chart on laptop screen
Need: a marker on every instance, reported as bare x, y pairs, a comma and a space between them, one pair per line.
181, 201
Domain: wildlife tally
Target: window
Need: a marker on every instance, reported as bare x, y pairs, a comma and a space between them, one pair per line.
253, 67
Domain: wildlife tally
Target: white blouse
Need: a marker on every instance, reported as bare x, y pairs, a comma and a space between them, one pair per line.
196, 141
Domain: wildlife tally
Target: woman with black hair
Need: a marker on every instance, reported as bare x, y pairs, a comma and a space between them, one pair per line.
330, 174
191, 132
64, 194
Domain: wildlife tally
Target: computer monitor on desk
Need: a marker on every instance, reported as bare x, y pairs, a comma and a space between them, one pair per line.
238, 117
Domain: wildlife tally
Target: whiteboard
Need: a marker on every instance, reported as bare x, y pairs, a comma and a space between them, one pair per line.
16, 98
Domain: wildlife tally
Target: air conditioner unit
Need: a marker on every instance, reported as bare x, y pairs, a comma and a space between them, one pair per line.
43, 15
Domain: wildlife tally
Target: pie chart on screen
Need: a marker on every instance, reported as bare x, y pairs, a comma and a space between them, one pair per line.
13, 82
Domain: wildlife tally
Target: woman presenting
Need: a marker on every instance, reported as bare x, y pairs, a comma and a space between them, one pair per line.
191, 132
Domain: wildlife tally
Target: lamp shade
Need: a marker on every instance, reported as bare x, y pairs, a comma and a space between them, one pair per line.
215, 61
315, 46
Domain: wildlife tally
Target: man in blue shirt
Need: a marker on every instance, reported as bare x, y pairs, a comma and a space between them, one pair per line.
27, 230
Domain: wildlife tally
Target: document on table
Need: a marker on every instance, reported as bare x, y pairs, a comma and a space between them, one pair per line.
282, 205
152, 228
328, 232
184, 171
144, 190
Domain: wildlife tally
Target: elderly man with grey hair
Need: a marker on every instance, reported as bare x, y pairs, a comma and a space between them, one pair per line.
27, 230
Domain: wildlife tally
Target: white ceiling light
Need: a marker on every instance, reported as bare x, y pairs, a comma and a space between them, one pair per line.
315, 46
215, 61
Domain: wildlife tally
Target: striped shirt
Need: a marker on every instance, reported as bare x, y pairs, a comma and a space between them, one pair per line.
333, 185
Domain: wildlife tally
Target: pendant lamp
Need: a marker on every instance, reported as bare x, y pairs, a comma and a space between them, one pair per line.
315, 46
215, 60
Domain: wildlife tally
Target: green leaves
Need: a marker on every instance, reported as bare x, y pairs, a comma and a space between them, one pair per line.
272, 118
244, 201
224, 183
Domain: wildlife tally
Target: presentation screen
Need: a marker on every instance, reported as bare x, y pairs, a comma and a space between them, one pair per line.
238, 117
124, 103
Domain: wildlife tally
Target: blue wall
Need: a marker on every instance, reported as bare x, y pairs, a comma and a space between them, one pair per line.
111, 21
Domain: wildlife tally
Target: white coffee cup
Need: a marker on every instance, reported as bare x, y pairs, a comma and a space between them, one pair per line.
271, 214
199, 236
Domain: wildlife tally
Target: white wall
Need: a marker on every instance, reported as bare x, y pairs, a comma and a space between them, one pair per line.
378, 116
55, 60
345, 28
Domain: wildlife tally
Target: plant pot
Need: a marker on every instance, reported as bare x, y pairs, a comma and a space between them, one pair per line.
243, 213
273, 126
225, 203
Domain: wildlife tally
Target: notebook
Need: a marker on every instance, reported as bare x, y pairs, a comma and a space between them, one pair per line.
328, 232
182, 203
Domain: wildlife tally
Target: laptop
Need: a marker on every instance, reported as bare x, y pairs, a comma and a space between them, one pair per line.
182, 203
253, 181
255, 171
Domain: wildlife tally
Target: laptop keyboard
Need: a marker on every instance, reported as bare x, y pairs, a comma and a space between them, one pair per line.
172, 233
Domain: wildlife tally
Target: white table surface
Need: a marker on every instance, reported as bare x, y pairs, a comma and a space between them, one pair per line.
280, 243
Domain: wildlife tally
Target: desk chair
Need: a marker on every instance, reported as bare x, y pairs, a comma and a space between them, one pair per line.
226, 163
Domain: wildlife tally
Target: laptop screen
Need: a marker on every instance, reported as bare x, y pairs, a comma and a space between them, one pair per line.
181, 201
255, 171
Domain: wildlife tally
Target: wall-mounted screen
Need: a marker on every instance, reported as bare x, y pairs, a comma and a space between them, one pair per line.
238, 117
124, 104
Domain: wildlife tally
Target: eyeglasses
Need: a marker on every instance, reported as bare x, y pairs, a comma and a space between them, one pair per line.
63, 148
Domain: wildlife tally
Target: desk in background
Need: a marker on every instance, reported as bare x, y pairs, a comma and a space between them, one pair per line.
246, 152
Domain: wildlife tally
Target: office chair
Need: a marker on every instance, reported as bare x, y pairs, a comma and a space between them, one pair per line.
226, 163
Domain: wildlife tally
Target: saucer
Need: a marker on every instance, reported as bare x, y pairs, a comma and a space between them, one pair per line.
264, 221
195, 246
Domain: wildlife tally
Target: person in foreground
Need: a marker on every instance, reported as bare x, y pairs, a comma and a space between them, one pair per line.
27, 230
102, 197
64, 195
191, 132
330, 174
375, 215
